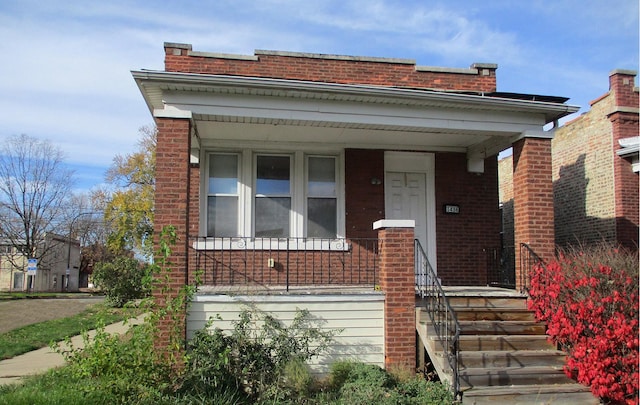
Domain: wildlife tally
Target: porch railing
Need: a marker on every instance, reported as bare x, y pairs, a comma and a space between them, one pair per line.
528, 259
442, 316
501, 267
286, 261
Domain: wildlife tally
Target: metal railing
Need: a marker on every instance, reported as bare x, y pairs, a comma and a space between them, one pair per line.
528, 259
501, 267
442, 315
286, 261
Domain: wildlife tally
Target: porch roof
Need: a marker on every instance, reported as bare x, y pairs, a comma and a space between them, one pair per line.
480, 124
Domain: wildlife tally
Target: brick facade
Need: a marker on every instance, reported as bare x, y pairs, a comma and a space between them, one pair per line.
596, 192
463, 238
364, 202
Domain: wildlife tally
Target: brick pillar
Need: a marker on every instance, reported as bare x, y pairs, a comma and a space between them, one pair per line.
533, 199
397, 281
171, 207
624, 123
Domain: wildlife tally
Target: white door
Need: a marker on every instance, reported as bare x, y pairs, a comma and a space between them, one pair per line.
405, 198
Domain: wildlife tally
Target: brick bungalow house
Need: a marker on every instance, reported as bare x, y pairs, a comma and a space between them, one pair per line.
595, 171
289, 176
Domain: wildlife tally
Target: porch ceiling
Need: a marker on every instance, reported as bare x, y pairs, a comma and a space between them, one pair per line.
242, 109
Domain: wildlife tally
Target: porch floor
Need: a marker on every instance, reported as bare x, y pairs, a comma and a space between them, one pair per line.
450, 291
480, 291
258, 289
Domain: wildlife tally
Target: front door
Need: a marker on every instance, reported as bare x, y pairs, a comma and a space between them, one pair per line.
405, 198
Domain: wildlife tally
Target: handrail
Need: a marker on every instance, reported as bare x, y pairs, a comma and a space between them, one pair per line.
442, 315
528, 259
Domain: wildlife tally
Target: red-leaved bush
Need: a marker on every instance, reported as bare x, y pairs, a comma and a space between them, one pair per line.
589, 301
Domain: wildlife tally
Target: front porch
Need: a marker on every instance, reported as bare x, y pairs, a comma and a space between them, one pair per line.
391, 310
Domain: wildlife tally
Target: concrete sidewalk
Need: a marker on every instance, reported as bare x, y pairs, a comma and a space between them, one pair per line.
38, 361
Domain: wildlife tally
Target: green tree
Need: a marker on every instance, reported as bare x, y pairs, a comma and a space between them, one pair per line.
128, 208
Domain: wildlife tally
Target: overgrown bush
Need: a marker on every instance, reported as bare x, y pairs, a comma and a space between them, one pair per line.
122, 280
589, 300
261, 358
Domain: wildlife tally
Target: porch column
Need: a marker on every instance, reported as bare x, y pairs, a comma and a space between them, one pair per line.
533, 199
397, 281
171, 208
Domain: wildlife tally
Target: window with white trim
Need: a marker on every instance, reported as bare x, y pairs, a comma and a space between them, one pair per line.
322, 202
273, 195
272, 204
223, 195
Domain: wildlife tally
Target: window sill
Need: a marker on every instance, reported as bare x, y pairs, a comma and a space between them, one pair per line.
271, 244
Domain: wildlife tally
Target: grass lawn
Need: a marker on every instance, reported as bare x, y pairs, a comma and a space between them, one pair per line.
35, 336
19, 295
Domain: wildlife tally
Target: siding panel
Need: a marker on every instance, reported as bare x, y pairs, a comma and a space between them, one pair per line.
359, 317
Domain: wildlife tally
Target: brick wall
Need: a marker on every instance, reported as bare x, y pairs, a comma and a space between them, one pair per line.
356, 266
364, 202
326, 68
462, 238
583, 178
595, 191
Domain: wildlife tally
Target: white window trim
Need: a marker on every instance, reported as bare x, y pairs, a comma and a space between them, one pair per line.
246, 175
212, 243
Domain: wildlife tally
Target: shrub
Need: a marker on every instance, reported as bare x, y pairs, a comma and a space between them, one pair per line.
262, 358
589, 300
122, 280
359, 383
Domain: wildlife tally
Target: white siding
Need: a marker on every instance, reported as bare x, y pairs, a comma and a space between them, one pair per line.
358, 317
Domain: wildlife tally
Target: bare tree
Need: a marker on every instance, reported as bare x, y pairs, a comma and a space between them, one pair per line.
35, 190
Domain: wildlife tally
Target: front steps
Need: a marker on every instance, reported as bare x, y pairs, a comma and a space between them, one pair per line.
504, 355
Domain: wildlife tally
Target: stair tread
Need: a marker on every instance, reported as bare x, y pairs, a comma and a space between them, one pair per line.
521, 352
518, 369
526, 389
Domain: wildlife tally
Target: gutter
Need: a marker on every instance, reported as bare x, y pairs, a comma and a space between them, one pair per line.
552, 111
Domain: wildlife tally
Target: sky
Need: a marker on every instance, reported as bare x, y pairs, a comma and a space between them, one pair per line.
65, 65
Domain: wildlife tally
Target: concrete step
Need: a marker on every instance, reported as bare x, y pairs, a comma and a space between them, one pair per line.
504, 376
486, 302
502, 328
505, 342
559, 394
516, 358
494, 314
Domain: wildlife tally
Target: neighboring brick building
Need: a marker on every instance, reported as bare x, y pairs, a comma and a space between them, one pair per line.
273, 167
595, 181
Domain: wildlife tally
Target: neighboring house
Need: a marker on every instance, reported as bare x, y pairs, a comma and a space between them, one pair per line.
276, 168
57, 270
595, 171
